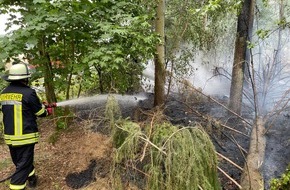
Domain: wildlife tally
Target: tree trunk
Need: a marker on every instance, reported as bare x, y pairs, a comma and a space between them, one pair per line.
277, 55
159, 60
100, 74
244, 28
48, 75
252, 179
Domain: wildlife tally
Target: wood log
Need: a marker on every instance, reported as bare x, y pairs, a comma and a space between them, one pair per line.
252, 178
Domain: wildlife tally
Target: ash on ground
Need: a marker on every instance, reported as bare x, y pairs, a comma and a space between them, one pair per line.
277, 154
182, 111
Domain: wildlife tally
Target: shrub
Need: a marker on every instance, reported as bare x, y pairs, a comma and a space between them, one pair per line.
282, 183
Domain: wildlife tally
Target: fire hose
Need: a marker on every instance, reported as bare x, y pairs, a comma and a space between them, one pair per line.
5, 179
46, 105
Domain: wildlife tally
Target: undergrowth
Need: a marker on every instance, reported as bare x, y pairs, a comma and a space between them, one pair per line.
62, 122
169, 157
282, 183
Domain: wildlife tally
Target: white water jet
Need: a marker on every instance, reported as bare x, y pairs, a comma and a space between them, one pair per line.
102, 98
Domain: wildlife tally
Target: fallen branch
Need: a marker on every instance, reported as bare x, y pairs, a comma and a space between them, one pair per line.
235, 142
152, 144
146, 140
229, 177
214, 100
230, 161
146, 144
206, 118
232, 129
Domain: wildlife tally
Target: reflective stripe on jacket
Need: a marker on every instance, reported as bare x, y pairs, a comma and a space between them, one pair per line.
20, 106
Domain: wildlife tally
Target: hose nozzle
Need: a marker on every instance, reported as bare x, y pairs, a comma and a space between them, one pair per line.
51, 105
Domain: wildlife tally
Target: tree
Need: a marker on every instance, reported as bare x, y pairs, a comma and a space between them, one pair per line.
244, 28
159, 60
195, 28
268, 92
105, 41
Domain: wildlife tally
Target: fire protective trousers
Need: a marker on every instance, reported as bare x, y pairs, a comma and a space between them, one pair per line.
22, 157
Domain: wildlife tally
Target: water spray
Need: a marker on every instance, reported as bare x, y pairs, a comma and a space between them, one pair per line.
102, 98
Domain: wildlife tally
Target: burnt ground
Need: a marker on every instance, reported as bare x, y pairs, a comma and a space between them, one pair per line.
80, 156
277, 156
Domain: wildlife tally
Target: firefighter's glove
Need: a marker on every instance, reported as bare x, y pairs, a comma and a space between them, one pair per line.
46, 105
49, 110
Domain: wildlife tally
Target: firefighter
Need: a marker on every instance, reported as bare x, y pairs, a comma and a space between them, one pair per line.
21, 107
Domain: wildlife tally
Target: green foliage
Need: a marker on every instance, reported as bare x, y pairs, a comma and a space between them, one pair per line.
126, 140
119, 136
175, 158
282, 183
262, 34
103, 42
113, 111
65, 116
190, 161
192, 26
62, 120
250, 45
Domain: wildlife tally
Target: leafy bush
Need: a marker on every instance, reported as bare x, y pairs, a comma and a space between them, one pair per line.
282, 183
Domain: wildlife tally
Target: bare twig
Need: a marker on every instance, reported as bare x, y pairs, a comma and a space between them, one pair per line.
232, 129
229, 177
200, 188
236, 143
214, 100
146, 140
202, 115
152, 144
133, 167
150, 132
245, 159
230, 161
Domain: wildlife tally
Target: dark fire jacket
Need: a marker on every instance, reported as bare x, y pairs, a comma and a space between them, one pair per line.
21, 107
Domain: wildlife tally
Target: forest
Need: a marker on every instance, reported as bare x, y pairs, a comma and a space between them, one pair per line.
167, 95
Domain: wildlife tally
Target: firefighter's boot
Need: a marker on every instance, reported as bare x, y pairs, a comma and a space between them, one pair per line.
32, 181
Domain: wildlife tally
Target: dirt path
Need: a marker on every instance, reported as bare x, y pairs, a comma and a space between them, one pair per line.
79, 159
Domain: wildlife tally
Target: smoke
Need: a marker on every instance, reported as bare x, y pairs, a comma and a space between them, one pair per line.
211, 79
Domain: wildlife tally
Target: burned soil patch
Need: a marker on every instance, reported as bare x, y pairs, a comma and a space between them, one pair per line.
212, 116
81, 157
97, 168
277, 156
81, 179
